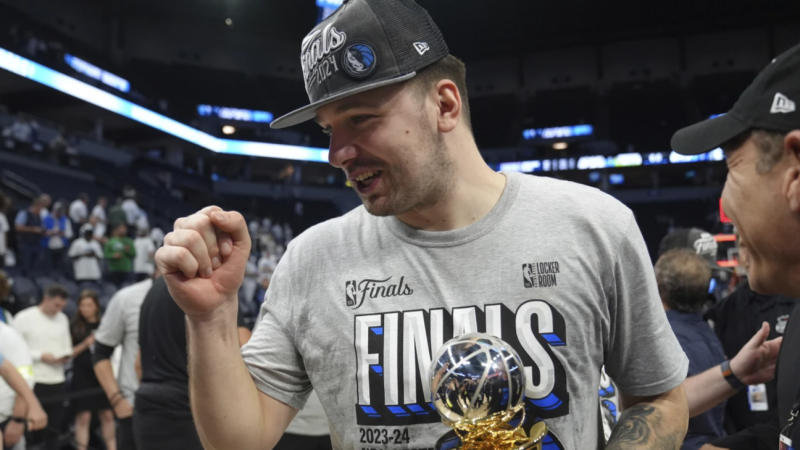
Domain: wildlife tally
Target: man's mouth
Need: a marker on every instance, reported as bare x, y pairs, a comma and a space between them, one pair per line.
366, 180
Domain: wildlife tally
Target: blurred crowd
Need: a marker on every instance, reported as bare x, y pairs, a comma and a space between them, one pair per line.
75, 274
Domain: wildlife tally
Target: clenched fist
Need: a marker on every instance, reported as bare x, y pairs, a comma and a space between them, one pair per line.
203, 261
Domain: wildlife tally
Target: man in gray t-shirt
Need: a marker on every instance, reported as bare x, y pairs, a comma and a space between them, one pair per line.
442, 246
120, 326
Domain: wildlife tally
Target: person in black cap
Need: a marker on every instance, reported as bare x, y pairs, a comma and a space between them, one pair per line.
442, 246
761, 139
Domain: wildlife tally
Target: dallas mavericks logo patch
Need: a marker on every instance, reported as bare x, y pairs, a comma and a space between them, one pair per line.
358, 60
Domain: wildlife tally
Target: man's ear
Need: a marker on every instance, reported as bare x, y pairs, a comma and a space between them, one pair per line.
791, 178
448, 105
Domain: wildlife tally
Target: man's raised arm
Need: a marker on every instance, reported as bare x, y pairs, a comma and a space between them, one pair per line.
203, 262
658, 422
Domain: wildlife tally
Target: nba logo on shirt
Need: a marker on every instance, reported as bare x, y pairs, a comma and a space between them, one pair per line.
350, 291
529, 275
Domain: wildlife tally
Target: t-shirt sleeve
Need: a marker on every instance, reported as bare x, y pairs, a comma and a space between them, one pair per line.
271, 355
110, 331
643, 355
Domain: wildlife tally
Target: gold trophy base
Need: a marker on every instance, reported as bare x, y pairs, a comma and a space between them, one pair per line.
496, 435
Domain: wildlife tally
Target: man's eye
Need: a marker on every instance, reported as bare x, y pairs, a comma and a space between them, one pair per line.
360, 119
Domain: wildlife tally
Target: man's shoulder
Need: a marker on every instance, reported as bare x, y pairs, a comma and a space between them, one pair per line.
583, 207
556, 190
26, 313
131, 294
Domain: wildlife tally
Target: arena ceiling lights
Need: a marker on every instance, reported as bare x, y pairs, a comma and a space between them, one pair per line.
98, 97
595, 162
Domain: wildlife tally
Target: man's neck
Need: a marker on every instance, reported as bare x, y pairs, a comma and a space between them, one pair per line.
471, 196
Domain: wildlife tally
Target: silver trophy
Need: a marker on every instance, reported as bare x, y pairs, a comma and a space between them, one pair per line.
478, 388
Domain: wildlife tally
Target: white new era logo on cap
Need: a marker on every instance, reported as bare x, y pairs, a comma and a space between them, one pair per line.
781, 104
421, 47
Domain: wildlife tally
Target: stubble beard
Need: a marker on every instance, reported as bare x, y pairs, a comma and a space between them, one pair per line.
419, 187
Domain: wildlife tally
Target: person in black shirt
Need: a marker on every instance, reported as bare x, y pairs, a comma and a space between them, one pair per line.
735, 318
761, 140
89, 396
162, 418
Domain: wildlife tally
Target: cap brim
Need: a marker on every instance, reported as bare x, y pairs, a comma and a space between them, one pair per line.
707, 135
308, 112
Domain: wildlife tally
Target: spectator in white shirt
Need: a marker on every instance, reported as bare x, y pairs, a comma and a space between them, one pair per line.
99, 227
46, 331
132, 210
99, 209
98, 219
143, 264
86, 254
79, 209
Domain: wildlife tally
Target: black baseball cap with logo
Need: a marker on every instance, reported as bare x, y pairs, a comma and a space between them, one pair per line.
363, 45
769, 103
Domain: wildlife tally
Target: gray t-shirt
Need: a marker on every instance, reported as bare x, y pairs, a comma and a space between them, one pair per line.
358, 305
120, 325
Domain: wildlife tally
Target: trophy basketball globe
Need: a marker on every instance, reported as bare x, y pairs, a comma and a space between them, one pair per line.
478, 388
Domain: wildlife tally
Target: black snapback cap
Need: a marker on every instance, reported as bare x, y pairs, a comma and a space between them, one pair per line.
363, 45
769, 103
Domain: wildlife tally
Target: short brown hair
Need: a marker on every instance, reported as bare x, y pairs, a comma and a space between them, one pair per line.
683, 277
450, 68
56, 290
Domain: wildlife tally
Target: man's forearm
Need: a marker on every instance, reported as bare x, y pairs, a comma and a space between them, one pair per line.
105, 376
20, 408
225, 401
16, 382
706, 390
657, 423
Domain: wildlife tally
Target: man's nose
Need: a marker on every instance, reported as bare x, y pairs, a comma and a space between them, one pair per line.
340, 151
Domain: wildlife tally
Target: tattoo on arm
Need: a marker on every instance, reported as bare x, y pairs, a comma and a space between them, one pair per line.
635, 430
